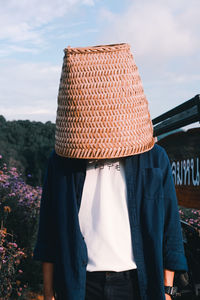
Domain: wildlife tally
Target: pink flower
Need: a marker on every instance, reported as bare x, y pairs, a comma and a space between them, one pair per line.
13, 169
13, 244
20, 271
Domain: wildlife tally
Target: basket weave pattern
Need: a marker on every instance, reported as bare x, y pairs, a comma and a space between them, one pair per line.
102, 110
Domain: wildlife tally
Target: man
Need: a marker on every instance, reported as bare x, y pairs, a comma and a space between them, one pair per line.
109, 222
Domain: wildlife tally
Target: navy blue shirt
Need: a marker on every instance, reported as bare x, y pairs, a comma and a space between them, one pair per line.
153, 214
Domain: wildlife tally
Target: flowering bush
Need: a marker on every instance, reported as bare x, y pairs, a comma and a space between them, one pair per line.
10, 255
19, 210
192, 216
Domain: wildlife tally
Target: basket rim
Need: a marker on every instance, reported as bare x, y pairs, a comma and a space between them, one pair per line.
97, 48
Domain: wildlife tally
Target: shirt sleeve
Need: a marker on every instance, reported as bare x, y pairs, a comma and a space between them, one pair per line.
173, 248
44, 249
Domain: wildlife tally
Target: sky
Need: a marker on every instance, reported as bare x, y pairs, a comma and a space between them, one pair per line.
164, 36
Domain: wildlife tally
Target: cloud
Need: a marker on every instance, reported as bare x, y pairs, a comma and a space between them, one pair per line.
76, 34
6, 50
23, 21
157, 29
29, 89
107, 15
164, 39
89, 2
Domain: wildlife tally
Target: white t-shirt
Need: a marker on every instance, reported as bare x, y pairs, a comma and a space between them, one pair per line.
103, 217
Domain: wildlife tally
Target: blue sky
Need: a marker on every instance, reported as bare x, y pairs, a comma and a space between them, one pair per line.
164, 39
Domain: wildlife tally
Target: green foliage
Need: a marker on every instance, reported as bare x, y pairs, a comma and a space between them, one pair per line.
26, 145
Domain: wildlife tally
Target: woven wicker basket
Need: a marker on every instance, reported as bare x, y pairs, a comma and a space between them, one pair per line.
102, 110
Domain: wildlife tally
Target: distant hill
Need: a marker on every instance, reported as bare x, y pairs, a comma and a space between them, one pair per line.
26, 145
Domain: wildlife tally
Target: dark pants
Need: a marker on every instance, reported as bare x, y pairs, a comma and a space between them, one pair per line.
110, 285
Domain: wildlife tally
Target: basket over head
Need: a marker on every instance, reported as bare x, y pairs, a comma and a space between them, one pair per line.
102, 110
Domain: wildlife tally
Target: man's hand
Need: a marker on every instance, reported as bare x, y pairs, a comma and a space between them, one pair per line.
168, 297
168, 281
48, 280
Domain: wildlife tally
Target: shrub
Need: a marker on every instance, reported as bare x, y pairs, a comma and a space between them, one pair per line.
19, 210
190, 215
11, 255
